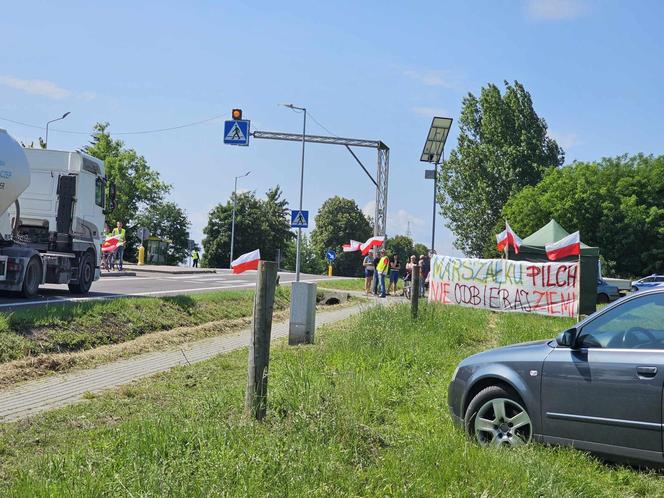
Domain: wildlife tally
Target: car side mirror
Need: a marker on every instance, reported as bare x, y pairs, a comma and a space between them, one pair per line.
567, 338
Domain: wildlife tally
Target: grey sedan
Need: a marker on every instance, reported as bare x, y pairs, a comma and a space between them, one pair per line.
598, 386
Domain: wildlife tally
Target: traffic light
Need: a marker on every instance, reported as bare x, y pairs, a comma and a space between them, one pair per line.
236, 114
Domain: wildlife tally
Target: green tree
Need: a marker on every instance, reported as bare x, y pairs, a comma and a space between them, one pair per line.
337, 222
167, 221
502, 147
420, 249
616, 204
310, 261
259, 224
137, 184
402, 246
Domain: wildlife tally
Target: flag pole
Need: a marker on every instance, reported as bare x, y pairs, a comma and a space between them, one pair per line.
578, 276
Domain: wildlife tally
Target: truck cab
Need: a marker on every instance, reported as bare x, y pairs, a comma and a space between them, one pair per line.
53, 234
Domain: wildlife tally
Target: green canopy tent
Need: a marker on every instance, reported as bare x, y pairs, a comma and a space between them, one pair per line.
533, 250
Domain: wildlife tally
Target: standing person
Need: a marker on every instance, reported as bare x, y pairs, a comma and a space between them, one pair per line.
382, 269
424, 272
395, 266
106, 257
408, 277
121, 234
375, 280
194, 258
368, 272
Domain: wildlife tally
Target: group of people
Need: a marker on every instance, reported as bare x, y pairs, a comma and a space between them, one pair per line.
110, 258
379, 267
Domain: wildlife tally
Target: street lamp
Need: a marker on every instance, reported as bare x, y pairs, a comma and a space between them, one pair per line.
434, 152
234, 206
52, 121
299, 230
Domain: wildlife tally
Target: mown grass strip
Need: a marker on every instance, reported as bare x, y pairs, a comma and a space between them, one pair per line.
71, 327
351, 284
361, 413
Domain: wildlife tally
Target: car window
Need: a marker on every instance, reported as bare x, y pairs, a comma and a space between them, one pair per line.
636, 324
647, 279
659, 279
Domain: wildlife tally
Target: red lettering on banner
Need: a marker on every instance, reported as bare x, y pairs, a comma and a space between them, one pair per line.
533, 272
572, 271
438, 292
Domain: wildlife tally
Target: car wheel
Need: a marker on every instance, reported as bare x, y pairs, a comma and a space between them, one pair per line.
496, 417
635, 288
33, 274
602, 298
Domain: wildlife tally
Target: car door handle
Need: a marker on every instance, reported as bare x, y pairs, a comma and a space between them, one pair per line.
647, 372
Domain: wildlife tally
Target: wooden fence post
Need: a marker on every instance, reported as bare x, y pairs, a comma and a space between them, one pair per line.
415, 291
259, 347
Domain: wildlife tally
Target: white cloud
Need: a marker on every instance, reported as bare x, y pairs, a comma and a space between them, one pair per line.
44, 88
555, 10
565, 140
432, 77
369, 209
36, 87
398, 223
430, 112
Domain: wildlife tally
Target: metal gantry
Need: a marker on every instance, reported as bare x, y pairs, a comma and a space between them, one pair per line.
382, 168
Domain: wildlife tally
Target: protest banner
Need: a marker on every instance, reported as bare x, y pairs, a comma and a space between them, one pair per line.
504, 285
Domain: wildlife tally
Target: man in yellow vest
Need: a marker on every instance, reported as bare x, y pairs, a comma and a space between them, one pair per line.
382, 269
194, 258
120, 232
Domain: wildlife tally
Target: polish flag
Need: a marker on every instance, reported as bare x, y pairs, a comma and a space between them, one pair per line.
248, 261
352, 247
567, 246
371, 243
508, 238
110, 244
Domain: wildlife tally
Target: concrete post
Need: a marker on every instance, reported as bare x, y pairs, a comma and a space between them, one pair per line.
302, 313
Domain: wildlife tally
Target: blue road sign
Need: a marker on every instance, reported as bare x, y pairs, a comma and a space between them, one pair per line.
236, 132
299, 219
330, 255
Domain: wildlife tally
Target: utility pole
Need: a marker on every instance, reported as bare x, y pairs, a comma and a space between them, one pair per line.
299, 230
233, 222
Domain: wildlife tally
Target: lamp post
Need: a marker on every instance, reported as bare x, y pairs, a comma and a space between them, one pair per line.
434, 151
52, 121
233, 223
299, 230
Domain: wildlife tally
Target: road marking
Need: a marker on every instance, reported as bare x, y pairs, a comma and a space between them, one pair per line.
60, 299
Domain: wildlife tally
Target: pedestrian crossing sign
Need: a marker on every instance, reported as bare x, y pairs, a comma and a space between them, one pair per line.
299, 219
236, 132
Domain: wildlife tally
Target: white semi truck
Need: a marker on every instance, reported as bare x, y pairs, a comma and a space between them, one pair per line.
52, 206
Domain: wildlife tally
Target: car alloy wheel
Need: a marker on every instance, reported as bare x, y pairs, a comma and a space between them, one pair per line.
496, 418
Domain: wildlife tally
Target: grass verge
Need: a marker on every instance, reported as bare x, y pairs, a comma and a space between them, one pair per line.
350, 284
363, 412
73, 327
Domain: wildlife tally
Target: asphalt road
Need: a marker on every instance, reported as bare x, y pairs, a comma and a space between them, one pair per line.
146, 284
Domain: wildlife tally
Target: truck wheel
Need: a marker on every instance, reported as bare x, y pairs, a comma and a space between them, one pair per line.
33, 274
86, 274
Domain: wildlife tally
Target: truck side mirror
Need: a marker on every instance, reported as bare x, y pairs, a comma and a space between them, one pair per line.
111, 195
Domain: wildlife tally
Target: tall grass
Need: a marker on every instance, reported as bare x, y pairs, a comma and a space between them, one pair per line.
361, 413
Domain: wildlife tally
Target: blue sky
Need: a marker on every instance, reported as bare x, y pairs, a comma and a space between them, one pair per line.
376, 70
